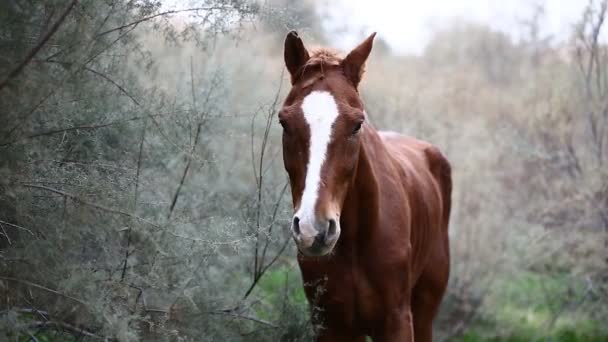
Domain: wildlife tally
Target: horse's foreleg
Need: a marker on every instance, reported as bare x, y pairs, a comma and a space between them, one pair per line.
330, 335
398, 327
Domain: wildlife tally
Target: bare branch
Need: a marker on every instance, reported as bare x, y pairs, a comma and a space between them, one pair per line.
38, 47
90, 204
69, 327
257, 266
8, 238
87, 127
16, 226
166, 13
29, 283
273, 219
234, 314
192, 148
135, 197
105, 77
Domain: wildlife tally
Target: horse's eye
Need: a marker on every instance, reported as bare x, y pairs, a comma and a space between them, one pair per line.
357, 128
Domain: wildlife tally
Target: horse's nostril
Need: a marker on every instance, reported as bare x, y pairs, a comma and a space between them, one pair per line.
331, 229
320, 239
296, 225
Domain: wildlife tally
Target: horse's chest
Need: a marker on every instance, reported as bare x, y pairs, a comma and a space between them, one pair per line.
359, 296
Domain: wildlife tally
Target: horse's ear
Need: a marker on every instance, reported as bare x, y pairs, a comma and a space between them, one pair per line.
354, 63
295, 54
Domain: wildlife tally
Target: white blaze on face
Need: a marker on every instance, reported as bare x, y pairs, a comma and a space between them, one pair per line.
320, 112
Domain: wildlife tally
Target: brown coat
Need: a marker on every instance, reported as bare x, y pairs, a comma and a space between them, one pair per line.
385, 271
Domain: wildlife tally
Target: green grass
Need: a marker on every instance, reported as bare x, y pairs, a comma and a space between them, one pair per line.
522, 307
279, 285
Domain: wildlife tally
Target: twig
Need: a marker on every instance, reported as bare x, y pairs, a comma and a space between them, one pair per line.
257, 267
137, 22
90, 59
192, 149
69, 327
231, 313
266, 267
135, 197
27, 114
16, 226
29, 283
32, 336
8, 238
258, 263
185, 173
276, 256
43, 314
273, 219
87, 127
104, 76
100, 26
46, 97
94, 205
142, 295
38, 47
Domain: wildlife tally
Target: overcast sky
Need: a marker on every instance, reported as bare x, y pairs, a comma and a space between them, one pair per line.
407, 25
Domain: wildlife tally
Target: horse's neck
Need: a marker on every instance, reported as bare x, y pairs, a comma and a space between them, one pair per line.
360, 209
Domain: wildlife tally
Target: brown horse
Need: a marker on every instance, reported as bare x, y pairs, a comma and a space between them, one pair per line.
371, 208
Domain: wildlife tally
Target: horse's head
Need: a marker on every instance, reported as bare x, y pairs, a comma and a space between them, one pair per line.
322, 119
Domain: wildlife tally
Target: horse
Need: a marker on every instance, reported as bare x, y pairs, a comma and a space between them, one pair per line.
371, 207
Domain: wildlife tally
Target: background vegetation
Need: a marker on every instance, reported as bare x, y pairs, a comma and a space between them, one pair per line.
142, 193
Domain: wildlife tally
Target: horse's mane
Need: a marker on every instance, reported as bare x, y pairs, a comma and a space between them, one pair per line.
325, 56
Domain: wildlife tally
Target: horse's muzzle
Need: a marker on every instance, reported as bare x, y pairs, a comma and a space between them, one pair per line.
315, 237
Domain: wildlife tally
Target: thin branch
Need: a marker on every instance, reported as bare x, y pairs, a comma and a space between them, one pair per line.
78, 43
8, 238
30, 112
89, 60
192, 149
48, 322
32, 336
271, 112
141, 294
148, 18
105, 77
258, 263
231, 313
90, 204
135, 197
276, 256
16, 226
87, 127
43, 314
265, 268
38, 47
29, 283
273, 220
69, 327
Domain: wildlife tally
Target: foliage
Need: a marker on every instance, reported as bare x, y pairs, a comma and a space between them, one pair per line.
107, 231
142, 195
